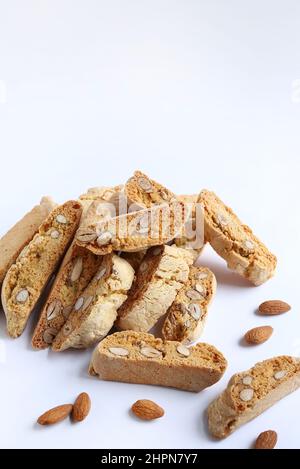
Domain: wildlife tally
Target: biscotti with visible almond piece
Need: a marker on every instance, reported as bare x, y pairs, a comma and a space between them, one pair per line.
12, 243
186, 317
163, 272
135, 357
134, 258
250, 393
75, 273
96, 308
235, 242
27, 277
133, 231
144, 192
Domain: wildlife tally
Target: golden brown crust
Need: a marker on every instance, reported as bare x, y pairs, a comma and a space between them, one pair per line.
235, 242
77, 270
145, 192
187, 315
135, 357
133, 231
96, 307
26, 278
250, 393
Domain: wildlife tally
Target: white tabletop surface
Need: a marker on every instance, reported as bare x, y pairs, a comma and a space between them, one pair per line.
197, 94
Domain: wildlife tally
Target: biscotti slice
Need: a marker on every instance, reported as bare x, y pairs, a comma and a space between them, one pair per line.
76, 271
104, 193
193, 236
133, 231
144, 192
27, 277
163, 272
96, 308
12, 243
187, 315
235, 242
135, 357
250, 393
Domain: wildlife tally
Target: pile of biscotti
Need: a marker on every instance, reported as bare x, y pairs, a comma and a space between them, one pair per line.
123, 257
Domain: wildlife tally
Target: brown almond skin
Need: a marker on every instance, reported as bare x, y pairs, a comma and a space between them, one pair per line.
274, 307
266, 440
81, 407
147, 410
55, 415
258, 335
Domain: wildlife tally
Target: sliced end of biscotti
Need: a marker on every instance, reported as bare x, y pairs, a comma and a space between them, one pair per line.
136, 357
134, 231
77, 270
235, 242
96, 308
12, 243
161, 275
250, 393
145, 192
186, 317
27, 277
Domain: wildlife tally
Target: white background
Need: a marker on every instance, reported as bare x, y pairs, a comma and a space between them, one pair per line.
197, 94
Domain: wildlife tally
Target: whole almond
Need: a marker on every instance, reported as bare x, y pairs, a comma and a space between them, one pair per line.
274, 307
55, 415
81, 407
266, 440
258, 335
147, 410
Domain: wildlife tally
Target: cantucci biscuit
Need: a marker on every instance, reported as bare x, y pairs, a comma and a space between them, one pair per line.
77, 270
144, 192
235, 242
161, 275
95, 310
26, 278
135, 357
250, 393
187, 315
133, 231
12, 243
103, 193
193, 236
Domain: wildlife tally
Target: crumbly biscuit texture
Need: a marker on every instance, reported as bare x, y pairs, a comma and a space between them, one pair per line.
161, 275
102, 193
26, 278
133, 231
135, 357
77, 270
250, 393
12, 243
235, 242
187, 315
95, 310
144, 192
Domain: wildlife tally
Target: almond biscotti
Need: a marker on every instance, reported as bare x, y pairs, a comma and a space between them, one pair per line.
163, 272
133, 231
76, 271
144, 192
187, 315
250, 393
12, 243
135, 357
27, 277
95, 310
235, 242
103, 193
